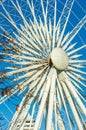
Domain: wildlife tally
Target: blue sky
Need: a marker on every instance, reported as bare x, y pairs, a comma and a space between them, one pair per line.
79, 10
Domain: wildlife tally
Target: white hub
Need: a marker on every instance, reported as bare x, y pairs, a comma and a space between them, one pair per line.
59, 58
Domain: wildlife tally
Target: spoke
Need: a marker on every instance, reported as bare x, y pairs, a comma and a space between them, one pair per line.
42, 92
28, 74
76, 85
76, 70
70, 101
36, 35
75, 56
24, 102
11, 22
37, 24
27, 44
63, 20
71, 46
58, 118
80, 77
33, 36
45, 21
57, 35
18, 115
73, 92
75, 50
13, 91
75, 31
78, 80
43, 102
77, 61
78, 65
17, 71
54, 28
64, 103
20, 12
35, 76
51, 101
65, 38
14, 25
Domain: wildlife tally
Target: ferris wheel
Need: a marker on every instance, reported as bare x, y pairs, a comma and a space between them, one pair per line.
42, 65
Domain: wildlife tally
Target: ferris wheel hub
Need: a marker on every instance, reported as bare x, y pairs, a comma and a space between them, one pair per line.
59, 58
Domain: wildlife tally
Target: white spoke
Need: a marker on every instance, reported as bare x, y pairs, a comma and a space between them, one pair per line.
54, 30
42, 105
45, 20
71, 46
58, 117
20, 11
78, 80
74, 51
76, 70
64, 18
72, 90
75, 56
51, 98
77, 61
75, 31
70, 101
33, 13
64, 103
78, 76
18, 115
36, 75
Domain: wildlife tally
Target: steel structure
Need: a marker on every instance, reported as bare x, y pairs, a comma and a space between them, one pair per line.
46, 66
